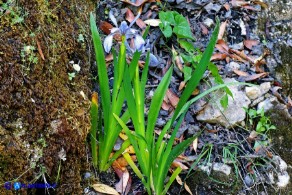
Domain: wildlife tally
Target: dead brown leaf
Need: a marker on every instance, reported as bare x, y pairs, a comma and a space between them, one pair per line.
238, 3
173, 99
124, 184
222, 46
227, 6
178, 163
105, 27
222, 30
205, 30
261, 3
195, 144
178, 63
40, 49
130, 17
240, 73
255, 76
250, 43
181, 85
102, 188
218, 56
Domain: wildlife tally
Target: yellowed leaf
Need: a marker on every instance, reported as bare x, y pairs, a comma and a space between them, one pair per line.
195, 144
102, 188
123, 136
188, 188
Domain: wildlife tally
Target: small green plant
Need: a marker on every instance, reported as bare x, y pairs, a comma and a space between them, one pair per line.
156, 155
193, 56
108, 128
15, 12
173, 22
257, 119
28, 57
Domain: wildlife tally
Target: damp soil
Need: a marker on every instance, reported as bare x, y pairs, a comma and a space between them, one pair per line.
42, 112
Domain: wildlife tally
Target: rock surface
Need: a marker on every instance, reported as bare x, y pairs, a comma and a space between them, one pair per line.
214, 113
255, 92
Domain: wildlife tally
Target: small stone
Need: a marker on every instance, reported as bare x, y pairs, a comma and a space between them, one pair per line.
208, 22
256, 101
248, 181
87, 175
280, 163
221, 167
179, 1
283, 179
267, 104
214, 113
232, 66
253, 92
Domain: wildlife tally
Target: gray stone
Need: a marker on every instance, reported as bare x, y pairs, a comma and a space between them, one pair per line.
232, 66
208, 22
248, 181
267, 104
255, 92
232, 115
223, 168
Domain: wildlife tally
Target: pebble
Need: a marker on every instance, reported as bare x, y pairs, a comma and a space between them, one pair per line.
223, 168
255, 92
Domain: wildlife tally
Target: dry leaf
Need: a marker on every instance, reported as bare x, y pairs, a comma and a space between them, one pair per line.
105, 27
165, 106
181, 85
152, 22
261, 3
109, 58
195, 144
254, 76
178, 180
102, 188
240, 73
196, 92
205, 30
218, 56
237, 58
130, 150
250, 43
130, 17
222, 30
124, 185
177, 163
40, 50
238, 3
222, 46
123, 136
173, 99
178, 63
122, 162
226, 6
187, 188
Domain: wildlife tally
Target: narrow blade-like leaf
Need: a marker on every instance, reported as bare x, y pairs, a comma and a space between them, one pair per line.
199, 71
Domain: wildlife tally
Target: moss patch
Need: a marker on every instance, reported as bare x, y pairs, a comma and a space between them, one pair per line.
40, 94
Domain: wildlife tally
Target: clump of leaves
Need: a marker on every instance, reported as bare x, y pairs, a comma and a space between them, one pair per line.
258, 120
173, 22
155, 156
191, 57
